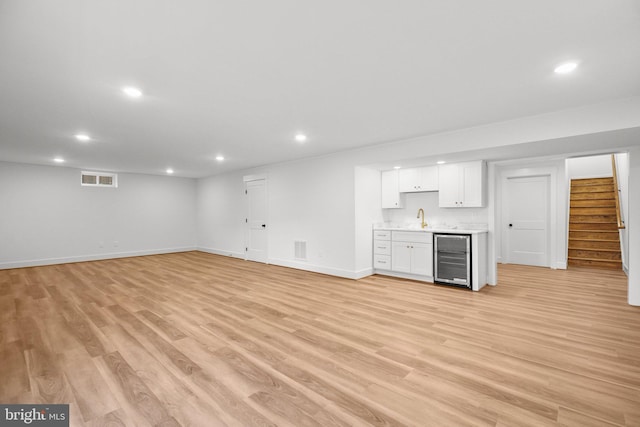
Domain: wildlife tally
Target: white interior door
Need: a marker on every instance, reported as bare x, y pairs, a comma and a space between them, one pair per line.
526, 220
256, 221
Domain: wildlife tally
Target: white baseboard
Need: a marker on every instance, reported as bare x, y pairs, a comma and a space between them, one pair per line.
83, 258
298, 265
625, 269
560, 265
215, 251
363, 273
315, 268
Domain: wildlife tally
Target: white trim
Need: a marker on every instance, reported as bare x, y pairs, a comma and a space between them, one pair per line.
222, 252
97, 257
347, 274
365, 272
247, 179
401, 275
492, 258
255, 177
560, 265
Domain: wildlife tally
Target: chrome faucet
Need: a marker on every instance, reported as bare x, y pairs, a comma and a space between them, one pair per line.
421, 212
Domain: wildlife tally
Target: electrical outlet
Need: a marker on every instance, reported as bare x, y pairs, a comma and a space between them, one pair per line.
115, 243
101, 244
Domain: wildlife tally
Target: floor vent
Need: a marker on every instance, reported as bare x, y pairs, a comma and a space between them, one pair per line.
300, 250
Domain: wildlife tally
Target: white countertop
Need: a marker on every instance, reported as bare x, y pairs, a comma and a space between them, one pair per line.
433, 230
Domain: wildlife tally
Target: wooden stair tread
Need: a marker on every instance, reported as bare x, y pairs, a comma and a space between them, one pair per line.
579, 239
591, 230
583, 248
592, 181
593, 233
594, 259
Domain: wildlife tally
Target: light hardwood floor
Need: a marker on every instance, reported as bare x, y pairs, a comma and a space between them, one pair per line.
204, 340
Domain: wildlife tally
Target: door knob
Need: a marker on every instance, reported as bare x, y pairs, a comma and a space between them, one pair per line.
264, 225
510, 225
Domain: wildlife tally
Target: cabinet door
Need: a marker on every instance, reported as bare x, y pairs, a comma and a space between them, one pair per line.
428, 178
448, 186
389, 188
401, 257
408, 180
422, 259
472, 180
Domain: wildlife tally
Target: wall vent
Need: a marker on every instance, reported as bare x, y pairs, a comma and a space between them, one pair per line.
99, 179
300, 250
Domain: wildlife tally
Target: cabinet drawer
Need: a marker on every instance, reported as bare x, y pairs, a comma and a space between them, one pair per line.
412, 236
382, 235
382, 247
383, 262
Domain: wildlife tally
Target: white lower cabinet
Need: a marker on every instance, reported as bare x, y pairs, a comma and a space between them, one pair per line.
422, 259
407, 253
401, 257
382, 250
412, 257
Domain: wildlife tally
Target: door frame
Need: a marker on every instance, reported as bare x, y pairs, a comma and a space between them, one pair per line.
245, 180
525, 172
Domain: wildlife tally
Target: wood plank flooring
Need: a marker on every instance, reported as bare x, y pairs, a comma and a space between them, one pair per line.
195, 339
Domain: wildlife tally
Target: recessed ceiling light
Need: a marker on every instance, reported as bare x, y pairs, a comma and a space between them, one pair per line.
58, 160
169, 171
83, 137
300, 137
397, 167
132, 92
566, 68
441, 162
219, 158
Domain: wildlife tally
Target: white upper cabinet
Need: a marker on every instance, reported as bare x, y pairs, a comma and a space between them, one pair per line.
418, 179
390, 191
462, 185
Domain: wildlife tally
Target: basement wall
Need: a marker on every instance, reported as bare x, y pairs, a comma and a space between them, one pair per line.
47, 217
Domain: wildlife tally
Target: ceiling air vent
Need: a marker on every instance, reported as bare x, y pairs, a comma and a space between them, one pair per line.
300, 250
99, 179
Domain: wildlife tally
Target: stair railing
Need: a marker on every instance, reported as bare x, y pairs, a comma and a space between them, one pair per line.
616, 191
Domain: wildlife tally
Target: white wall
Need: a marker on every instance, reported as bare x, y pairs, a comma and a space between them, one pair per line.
367, 213
633, 227
622, 165
220, 214
313, 201
47, 217
310, 200
433, 214
589, 167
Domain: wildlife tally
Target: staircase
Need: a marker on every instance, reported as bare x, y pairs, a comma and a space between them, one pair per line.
593, 228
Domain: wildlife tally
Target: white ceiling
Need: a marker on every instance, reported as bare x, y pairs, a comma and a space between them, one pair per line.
240, 78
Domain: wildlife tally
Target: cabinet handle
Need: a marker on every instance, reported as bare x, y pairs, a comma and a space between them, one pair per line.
382, 262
